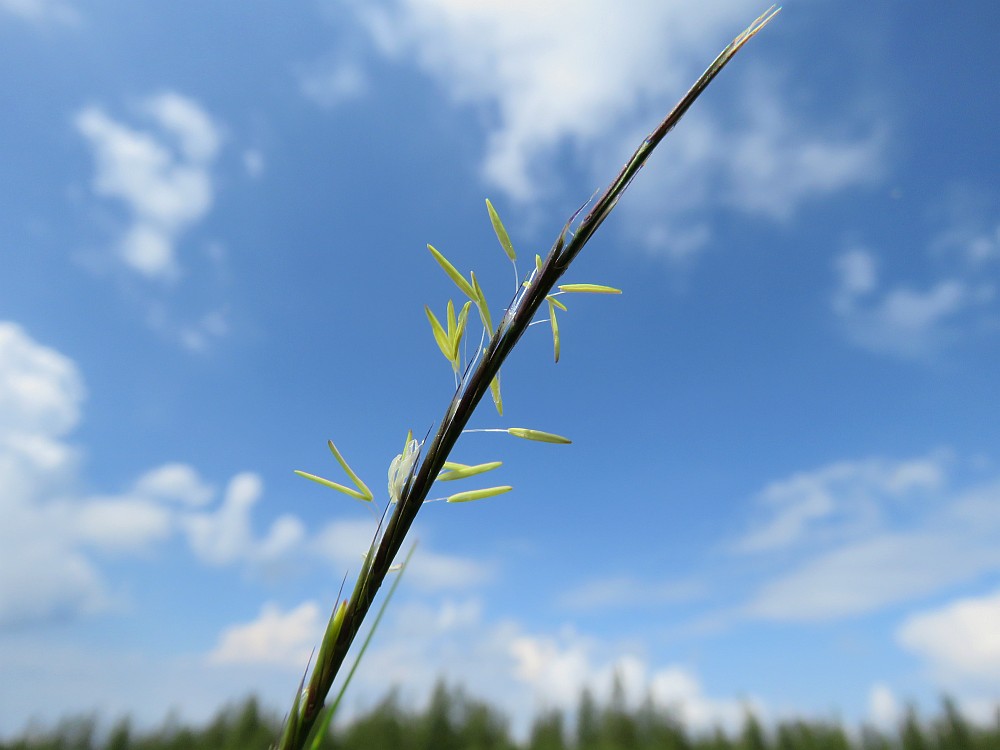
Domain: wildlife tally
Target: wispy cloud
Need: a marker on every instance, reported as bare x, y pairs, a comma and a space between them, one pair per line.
875, 573
839, 501
901, 321
770, 162
970, 231
331, 83
225, 535
856, 537
162, 176
978, 245
53, 538
41, 11
549, 73
521, 671
911, 320
197, 333
566, 77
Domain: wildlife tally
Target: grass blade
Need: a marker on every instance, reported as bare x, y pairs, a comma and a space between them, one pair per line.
335, 486
453, 273
501, 232
350, 472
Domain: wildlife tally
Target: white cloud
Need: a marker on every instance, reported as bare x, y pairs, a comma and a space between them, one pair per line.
779, 162
839, 501
458, 614
47, 578
275, 637
162, 176
116, 524
899, 321
557, 668
866, 576
960, 640
41, 11
521, 671
48, 678
856, 537
177, 482
434, 571
905, 321
533, 65
769, 162
266, 654
42, 573
344, 543
40, 389
198, 138
978, 245
149, 250
225, 536
884, 710
970, 231
420, 641
51, 536
679, 689
547, 76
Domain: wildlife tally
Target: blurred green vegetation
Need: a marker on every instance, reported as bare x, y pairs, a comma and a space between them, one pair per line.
453, 721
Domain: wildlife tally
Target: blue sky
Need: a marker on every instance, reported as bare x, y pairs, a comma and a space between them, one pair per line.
784, 485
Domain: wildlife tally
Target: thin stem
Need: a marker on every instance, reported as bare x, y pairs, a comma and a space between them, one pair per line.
519, 316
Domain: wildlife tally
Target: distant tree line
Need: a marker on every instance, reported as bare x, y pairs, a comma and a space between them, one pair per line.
453, 721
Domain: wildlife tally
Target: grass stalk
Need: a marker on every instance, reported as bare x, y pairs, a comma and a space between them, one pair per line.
308, 706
